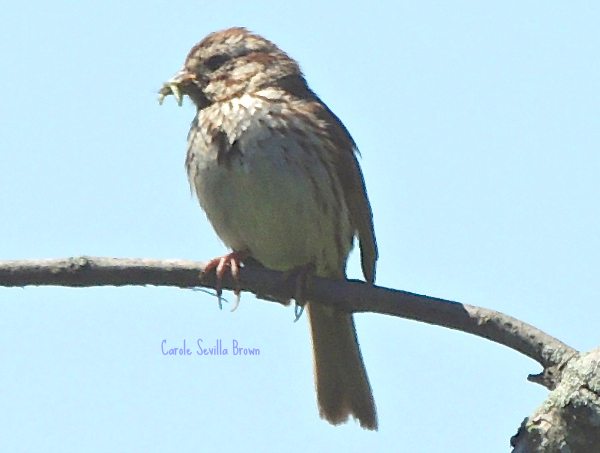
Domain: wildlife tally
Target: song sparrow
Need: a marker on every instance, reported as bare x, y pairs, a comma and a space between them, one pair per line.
276, 173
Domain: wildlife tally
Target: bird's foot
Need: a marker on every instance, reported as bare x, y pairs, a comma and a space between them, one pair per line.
233, 262
301, 276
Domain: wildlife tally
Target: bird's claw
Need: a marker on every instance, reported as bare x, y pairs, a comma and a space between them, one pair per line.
301, 278
298, 310
231, 261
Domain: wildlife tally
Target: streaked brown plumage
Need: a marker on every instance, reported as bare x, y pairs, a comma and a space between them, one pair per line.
276, 173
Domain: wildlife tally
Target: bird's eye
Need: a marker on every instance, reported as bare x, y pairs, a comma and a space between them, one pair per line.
216, 61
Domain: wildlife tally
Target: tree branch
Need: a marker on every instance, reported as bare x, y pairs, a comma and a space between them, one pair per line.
351, 296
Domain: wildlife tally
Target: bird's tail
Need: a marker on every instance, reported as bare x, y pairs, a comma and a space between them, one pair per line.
343, 388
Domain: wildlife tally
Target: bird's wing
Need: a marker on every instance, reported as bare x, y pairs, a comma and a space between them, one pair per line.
355, 192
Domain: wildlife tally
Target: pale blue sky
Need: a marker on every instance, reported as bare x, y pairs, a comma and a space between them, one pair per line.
479, 130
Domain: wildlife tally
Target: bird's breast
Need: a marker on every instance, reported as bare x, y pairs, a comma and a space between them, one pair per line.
262, 175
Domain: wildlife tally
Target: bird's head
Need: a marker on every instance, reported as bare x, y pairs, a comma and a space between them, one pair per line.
228, 64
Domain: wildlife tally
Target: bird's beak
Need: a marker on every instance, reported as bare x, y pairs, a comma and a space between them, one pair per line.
174, 86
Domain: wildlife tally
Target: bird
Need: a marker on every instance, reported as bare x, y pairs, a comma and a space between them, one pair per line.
277, 174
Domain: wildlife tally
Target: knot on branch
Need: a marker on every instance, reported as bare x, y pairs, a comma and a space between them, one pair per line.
569, 419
